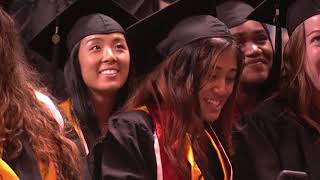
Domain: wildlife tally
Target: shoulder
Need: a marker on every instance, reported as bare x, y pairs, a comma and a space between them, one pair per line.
267, 119
51, 107
131, 120
269, 111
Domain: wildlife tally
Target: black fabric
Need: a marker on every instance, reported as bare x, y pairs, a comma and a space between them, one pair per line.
191, 29
117, 17
170, 29
32, 16
292, 12
213, 170
140, 8
52, 78
92, 24
26, 166
268, 141
74, 137
129, 142
233, 13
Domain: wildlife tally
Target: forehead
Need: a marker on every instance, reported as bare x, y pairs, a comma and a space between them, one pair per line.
227, 59
247, 27
109, 36
312, 24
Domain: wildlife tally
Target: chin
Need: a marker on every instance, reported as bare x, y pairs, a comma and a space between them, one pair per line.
254, 79
212, 118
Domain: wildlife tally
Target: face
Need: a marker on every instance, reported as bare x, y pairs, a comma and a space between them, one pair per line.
312, 64
104, 62
218, 87
255, 45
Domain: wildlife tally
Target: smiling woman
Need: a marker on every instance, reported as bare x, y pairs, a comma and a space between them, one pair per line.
104, 62
96, 71
258, 79
164, 130
284, 131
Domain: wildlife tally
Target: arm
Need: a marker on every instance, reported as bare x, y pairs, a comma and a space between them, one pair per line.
129, 147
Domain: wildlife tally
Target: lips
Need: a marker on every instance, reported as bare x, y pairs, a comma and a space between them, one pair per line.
255, 61
215, 103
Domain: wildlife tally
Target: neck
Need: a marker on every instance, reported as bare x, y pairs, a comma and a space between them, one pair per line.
247, 97
103, 106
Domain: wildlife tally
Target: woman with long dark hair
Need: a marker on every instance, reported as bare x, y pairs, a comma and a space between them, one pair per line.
164, 131
96, 71
31, 140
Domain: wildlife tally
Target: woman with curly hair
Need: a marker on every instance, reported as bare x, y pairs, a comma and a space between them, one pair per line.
31, 140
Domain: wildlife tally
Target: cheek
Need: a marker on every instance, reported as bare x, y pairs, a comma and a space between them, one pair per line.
268, 52
313, 56
88, 67
229, 89
124, 62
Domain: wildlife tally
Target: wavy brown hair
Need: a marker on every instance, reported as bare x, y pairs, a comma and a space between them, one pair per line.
172, 91
22, 115
297, 88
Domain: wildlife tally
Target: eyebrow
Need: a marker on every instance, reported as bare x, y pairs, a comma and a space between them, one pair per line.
314, 31
93, 39
119, 39
260, 31
232, 69
116, 39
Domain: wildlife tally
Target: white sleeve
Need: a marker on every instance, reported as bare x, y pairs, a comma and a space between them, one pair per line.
52, 108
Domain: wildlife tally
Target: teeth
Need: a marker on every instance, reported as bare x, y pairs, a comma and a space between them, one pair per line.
109, 72
214, 102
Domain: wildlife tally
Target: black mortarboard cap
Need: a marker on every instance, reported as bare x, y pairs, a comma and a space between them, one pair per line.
33, 16
292, 12
165, 31
81, 19
234, 12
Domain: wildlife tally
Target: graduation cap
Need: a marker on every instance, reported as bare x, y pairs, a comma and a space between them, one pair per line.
33, 16
284, 13
157, 36
233, 13
291, 12
81, 19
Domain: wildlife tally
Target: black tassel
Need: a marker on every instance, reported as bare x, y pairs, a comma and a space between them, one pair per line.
278, 44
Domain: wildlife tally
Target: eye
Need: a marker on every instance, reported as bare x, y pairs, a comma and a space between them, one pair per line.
261, 39
239, 41
95, 48
316, 39
120, 46
231, 79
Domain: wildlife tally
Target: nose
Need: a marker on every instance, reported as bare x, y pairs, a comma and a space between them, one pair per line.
220, 87
251, 49
108, 56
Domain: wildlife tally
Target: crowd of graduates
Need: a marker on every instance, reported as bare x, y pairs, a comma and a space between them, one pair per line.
160, 89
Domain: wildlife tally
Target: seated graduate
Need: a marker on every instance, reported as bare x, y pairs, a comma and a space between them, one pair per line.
32, 145
164, 131
260, 73
283, 133
97, 70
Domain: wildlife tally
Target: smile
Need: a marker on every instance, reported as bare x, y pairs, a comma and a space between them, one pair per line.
217, 104
109, 72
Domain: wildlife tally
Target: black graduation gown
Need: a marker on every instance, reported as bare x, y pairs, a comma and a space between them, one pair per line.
128, 148
268, 141
25, 166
